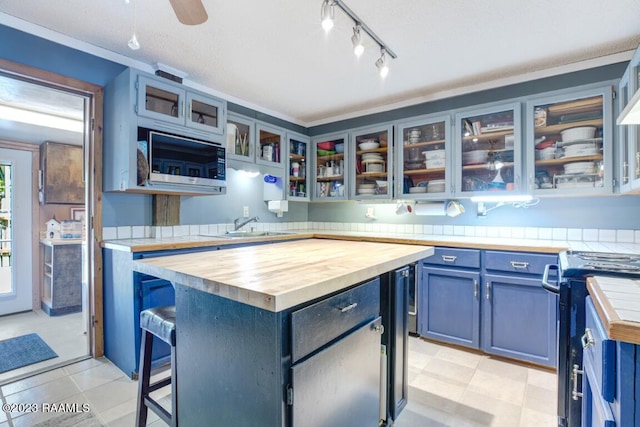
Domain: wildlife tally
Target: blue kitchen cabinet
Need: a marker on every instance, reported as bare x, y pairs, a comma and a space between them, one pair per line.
518, 316
610, 377
450, 297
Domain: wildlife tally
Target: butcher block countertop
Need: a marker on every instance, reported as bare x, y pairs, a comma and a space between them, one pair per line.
617, 301
282, 275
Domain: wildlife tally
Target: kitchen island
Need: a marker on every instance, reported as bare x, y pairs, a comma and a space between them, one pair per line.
285, 334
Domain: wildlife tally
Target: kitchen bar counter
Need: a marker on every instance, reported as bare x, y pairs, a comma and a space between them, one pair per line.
494, 243
617, 301
281, 275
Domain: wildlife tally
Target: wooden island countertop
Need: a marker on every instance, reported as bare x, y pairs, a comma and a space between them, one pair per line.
617, 301
278, 276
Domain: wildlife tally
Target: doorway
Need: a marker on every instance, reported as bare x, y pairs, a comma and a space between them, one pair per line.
47, 288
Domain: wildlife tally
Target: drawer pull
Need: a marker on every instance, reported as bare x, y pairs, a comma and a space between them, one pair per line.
378, 328
348, 308
449, 258
587, 339
519, 264
575, 394
476, 288
488, 290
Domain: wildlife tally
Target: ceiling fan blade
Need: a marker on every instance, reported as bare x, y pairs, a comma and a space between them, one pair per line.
189, 12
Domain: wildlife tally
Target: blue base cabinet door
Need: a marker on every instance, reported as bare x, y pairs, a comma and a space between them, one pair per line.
519, 319
596, 412
450, 306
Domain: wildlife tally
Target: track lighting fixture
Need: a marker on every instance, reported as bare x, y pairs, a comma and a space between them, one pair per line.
356, 39
327, 14
381, 64
327, 19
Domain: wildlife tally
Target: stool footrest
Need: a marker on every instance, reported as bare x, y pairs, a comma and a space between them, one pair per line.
159, 410
158, 385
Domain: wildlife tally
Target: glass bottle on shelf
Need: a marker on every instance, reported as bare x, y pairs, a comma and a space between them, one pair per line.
422, 158
269, 150
371, 164
568, 146
489, 151
330, 162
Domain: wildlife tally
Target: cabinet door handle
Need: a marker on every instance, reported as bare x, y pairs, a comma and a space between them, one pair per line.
189, 112
587, 339
519, 264
575, 394
476, 288
348, 308
181, 110
378, 328
449, 258
488, 290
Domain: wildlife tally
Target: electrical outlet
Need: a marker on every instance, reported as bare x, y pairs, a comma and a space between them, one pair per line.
245, 211
369, 212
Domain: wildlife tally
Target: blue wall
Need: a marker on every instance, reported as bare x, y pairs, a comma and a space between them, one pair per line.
132, 209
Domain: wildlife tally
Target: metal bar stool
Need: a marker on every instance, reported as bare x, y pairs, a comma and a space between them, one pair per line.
159, 322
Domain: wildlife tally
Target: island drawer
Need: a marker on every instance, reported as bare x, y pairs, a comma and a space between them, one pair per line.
455, 257
518, 262
318, 324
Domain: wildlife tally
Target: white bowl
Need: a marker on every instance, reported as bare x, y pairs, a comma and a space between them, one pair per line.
582, 132
366, 186
369, 145
434, 164
434, 155
366, 191
418, 190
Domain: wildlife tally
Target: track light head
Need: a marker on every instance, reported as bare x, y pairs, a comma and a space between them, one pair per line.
327, 14
381, 64
356, 39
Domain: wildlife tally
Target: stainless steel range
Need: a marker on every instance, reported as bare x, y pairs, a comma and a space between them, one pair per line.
573, 269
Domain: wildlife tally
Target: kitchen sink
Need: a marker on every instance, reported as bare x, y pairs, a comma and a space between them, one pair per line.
245, 234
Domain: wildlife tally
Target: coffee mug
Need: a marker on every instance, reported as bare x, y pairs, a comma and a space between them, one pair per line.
403, 208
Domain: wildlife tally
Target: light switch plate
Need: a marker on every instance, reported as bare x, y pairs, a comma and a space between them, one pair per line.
245, 211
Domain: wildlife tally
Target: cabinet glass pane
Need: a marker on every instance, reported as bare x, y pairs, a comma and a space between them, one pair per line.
204, 114
298, 186
568, 144
330, 164
488, 152
239, 140
372, 164
633, 132
624, 147
161, 101
423, 158
269, 145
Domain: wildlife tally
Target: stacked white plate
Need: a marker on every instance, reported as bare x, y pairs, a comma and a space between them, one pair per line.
579, 168
474, 157
414, 190
372, 156
434, 164
577, 150
546, 153
436, 186
434, 155
366, 189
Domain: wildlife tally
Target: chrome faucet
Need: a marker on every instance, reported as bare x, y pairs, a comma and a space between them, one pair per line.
238, 223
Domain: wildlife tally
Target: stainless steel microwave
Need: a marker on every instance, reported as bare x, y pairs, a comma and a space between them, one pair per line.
179, 160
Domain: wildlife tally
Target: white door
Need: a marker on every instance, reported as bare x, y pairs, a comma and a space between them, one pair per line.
16, 259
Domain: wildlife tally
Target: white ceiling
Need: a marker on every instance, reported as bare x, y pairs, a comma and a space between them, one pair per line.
275, 55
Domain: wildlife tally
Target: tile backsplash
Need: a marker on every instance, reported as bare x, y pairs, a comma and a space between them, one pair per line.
535, 233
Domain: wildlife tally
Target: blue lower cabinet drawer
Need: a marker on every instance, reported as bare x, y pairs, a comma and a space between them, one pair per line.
517, 262
455, 257
316, 325
601, 350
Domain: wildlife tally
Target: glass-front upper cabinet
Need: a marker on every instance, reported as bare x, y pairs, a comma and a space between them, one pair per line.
171, 103
240, 138
423, 158
205, 113
633, 131
298, 166
160, 100
487, 155
371, 163
569, 143
330, 175
270, 142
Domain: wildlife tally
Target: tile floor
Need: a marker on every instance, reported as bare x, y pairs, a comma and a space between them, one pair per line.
448, 387
64, 334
